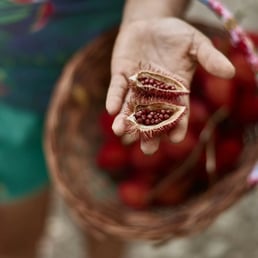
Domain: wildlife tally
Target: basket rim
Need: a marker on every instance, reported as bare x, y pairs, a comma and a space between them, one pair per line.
180, 223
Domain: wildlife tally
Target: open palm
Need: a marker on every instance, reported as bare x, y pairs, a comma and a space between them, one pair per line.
168, 44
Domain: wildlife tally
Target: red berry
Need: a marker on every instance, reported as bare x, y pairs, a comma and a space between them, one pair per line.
142, 161
105, 122
176, 193
228, 151
247, 109
244, 74
179, 151
112, 156
134, 193
148, 175
198, 79
219, 92
198, 116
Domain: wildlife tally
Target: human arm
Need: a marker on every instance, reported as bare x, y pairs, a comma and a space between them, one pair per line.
136, 14
149, 9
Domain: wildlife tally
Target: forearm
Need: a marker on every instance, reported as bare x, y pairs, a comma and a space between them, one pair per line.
146, 9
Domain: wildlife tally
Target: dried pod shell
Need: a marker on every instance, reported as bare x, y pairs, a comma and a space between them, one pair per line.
148, 83
152, 119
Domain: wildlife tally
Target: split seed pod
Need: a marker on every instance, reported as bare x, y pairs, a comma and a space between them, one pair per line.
149, 120
155, 106
147, 83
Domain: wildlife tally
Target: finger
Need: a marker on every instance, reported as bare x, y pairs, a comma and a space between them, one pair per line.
129, 138
116, 93
119, 125
150, 146
212, 60
179, 132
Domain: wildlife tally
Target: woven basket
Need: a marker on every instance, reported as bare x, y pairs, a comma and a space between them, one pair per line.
71, 142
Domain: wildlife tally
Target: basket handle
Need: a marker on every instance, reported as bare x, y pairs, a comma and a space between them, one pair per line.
237, 34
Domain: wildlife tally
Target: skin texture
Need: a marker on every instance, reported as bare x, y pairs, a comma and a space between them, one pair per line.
136, 10
108, 247
168, 44
22, 224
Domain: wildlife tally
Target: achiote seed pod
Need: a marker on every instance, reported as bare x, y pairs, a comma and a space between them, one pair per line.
152, 119
156, 105
147, 83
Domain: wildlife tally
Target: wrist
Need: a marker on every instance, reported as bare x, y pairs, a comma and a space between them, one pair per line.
136, 10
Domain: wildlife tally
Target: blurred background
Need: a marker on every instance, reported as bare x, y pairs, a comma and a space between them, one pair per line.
233, 235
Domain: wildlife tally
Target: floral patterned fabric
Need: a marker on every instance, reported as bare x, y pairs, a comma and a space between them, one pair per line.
38, 36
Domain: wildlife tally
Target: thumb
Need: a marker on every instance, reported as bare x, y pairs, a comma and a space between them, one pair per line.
212, 60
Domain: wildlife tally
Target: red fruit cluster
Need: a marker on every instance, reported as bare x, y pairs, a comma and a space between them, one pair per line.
178, 171
238, 95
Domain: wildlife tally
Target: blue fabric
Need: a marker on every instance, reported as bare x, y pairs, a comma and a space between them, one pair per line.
36, 40
31, 61
22, 165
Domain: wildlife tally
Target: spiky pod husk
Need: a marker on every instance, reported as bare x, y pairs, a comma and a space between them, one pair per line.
155, 83
147, 131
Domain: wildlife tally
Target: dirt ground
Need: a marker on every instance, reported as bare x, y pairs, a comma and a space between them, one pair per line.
233, 235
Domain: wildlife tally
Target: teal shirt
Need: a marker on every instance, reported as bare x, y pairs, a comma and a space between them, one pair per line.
38, 38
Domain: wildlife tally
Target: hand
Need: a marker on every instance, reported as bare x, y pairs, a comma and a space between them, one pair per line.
172, 45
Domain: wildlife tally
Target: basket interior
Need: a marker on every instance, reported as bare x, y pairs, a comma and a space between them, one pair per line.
76, 137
